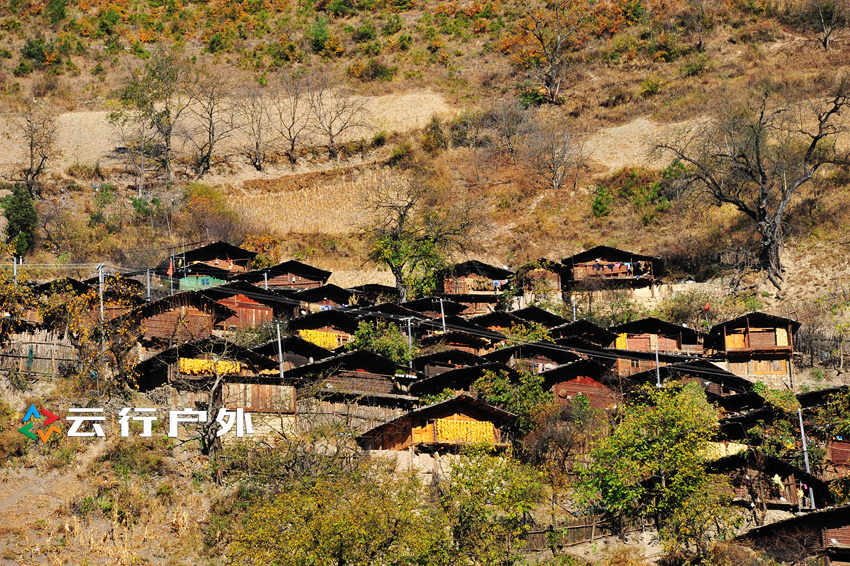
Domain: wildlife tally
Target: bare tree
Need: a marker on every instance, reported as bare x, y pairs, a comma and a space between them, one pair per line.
828, 17
414, 229
35, 126
291, 111
256, 124
509, 119
138, 143
557, 151
757, 153
213, 111
547, 36
698, 16
161, 91
335, 110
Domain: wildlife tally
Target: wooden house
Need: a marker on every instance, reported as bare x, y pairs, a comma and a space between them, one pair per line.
539, 280
585, 330
330, 329
391, 313
534, 357
770, 483
717, 382
199, 276
475, 284
606, 267
117, 284
539, 316
179, 318
377, 293
52, 296
435, 307
582, 377
458, 340
324, 298
360, 388
473, 278
297, 352
461, 380
822, 534
446, 426
436, 363
250, 380
219, 254
651, 334
254, 307
287, 275
757, 346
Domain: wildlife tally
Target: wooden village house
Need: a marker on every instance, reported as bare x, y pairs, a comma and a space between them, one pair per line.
179, 318
330, 329
445, 426
757, 346
477, 285
359, 388
287, 275
254, 307
206, 266
604, 267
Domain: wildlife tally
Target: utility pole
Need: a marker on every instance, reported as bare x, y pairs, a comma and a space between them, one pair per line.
279, 348
148, 277
806, 457
574, 307
266, 279
15, 264
657, 368
442, 315
410, 340
100, 288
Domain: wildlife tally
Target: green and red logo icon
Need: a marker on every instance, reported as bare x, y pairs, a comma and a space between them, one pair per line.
48, 429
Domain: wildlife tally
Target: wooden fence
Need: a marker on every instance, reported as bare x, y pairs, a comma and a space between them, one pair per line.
578, 530
39, 352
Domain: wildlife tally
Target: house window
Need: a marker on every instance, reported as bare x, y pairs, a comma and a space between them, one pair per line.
762, 366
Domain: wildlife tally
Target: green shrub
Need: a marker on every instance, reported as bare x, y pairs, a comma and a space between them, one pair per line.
650, 87
319, 34
339, 8
695, 65
5, 53
434, 138
601, 202
392, 25
23, 69
55, 11
404, 41
365, 32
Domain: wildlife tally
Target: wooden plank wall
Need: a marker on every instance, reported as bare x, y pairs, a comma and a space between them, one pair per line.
41, 352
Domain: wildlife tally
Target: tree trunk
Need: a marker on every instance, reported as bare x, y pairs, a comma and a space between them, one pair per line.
399, 284
769, 261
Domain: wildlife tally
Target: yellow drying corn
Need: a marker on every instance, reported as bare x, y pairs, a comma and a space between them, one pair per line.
327, 340
194, 366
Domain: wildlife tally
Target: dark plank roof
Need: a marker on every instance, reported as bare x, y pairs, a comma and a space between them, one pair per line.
585, 329
652, 325
187, 298
540, 316
338, 318
461, 378
607, 253
478, 268
262, 296
702, 369
292, 266
500, 319
489, 412
450, 308
571, 370
296, 345
351, 361
772, 466
63, 285
452, 356
215, 250
548, 349
329, 292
